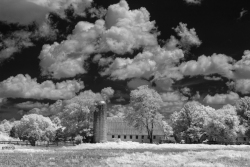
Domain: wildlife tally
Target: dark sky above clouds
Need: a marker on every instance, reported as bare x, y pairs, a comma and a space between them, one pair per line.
185, 49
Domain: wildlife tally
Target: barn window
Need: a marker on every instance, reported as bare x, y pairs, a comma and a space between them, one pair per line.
245, 139
119, 136
131, 136
113, 136
136, 137
142, 137
148, 137
154, 137
125, 136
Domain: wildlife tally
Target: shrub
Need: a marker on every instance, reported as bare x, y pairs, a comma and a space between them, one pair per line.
34, 127
78, 139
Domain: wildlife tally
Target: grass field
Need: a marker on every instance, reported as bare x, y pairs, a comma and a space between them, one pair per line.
129, 154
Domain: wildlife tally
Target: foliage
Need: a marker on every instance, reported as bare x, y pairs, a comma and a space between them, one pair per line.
78, 139
5, 126
59, 134
194, 120
75, 118
188, 122
243, 111
13, 132
168, 130
57, 121
222, 124
86, 98
145, 103
35, 127
243, 108
77, 114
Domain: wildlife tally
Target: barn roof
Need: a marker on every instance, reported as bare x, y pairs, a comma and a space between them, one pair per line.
118, 126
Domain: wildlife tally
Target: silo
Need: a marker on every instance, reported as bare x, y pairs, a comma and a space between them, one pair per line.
100, 122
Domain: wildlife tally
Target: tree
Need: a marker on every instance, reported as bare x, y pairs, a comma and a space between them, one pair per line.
168, 130
222, 124
188, 122
75, 119
77, 114
243, 112
5, 126
144, 114
35, 127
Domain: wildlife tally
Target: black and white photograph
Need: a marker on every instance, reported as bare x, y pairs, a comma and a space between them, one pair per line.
129, 83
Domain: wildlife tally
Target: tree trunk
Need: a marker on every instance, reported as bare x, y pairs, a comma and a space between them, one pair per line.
150, 139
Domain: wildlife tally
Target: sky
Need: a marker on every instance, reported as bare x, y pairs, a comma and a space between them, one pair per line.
184, 49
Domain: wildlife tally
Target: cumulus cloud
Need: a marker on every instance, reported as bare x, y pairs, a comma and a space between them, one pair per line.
14, 43
135, 83
242, 85
158, 61
18, 40
97, 12
127, 29
173, 101
229, 98
214, 78
67, 58
242, 67
188, 37
22, 86
27, 11
122, 31
193, 1
215, 64
30, 105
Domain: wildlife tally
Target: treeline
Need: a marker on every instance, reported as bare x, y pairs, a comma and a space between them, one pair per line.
73, 118
69, 119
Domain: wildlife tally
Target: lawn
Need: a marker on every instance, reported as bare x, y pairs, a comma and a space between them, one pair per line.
128, 154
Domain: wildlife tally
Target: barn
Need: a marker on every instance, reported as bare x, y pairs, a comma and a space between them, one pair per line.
118, 128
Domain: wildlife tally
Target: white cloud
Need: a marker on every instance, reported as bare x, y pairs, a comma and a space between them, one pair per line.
25, 87
14, 43
163, 84
242, 85
18, 40
97, 12
135, 83
129, 68
215, 64
67, 58
193, 1
214, 78
157, 61
127, 29
173, 97
229, 98
188, 37
30, 105
122, 31
242, 67
26, 11
173, 101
